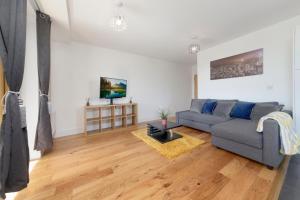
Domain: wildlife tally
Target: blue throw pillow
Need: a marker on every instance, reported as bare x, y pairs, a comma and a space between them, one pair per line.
242, 110
209, 107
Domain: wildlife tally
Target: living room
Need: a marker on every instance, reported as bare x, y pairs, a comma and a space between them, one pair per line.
150, 100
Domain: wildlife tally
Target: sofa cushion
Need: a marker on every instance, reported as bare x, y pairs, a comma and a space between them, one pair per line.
224, 108
197, 104
201, 118
262, 109
209, 106
242, 110
239, 130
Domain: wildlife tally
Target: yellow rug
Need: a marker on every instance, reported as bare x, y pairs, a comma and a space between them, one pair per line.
170, 149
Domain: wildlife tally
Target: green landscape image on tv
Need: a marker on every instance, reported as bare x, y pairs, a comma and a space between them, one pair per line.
111, 88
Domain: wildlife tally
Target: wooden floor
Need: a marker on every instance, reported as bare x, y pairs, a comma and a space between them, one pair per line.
117, 165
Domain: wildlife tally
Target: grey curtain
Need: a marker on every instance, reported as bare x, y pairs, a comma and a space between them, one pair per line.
43, 138
13, 138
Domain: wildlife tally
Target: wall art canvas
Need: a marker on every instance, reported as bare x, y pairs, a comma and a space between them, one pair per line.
245, 64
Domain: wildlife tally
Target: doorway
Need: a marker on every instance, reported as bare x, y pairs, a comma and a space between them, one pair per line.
195, 86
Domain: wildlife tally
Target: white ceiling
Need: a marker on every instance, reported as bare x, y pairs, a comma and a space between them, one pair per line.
163, 28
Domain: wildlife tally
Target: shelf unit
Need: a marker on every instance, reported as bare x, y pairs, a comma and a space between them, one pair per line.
117, 113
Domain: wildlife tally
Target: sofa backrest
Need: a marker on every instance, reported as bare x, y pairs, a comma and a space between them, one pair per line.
224, 107
197, 104
262, 109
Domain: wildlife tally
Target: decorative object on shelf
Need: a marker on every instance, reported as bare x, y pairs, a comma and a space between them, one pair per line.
118, 22
88, 101
245, 64
194, 47
164, 116
130, 101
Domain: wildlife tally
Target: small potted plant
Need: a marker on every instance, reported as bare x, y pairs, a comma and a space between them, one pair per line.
164, 117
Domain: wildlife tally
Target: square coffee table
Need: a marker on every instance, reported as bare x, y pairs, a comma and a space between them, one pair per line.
163, 133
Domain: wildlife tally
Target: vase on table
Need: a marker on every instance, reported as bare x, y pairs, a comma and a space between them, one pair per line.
164, 122
164, 116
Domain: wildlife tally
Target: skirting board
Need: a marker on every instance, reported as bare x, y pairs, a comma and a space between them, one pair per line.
34, 155
67, 132
75, 131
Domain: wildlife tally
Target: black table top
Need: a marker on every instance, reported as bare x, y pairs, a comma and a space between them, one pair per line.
158, 125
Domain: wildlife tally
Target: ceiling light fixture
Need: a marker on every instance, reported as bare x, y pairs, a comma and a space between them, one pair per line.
194, 48
118, 22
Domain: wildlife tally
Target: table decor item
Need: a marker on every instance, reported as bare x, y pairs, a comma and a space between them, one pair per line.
164, 116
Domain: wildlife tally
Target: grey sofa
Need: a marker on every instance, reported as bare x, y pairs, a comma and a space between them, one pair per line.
235, 134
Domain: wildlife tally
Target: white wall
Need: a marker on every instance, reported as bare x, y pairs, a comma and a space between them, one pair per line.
296, 80
276, 81
29, 89
75, 75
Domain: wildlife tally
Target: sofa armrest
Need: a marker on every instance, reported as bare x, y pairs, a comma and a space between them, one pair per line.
271, 143
288, 112
177, 115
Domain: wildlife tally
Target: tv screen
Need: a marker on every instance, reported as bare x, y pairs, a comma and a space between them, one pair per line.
111, 88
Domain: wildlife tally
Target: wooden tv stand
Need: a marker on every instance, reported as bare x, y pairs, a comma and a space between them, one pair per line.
117, 112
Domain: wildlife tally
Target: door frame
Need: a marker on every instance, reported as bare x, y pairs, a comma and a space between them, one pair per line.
195, 86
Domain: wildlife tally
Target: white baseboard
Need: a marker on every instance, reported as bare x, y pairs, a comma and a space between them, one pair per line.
75, 131
67, 132
34, 155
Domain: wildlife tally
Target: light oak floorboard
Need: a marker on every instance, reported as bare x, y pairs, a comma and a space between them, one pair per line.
117, 165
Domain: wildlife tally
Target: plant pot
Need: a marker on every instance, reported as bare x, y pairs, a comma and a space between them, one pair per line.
164, 122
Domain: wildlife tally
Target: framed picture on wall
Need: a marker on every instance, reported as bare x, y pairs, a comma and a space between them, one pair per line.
245, 64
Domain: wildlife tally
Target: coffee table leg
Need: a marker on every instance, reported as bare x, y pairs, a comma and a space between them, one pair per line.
149, 130
152, 130
171, 133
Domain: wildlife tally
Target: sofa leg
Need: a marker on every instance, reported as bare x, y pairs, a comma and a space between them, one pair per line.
269, 167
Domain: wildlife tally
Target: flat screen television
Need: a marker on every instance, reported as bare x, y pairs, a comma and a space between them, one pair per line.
111, 88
